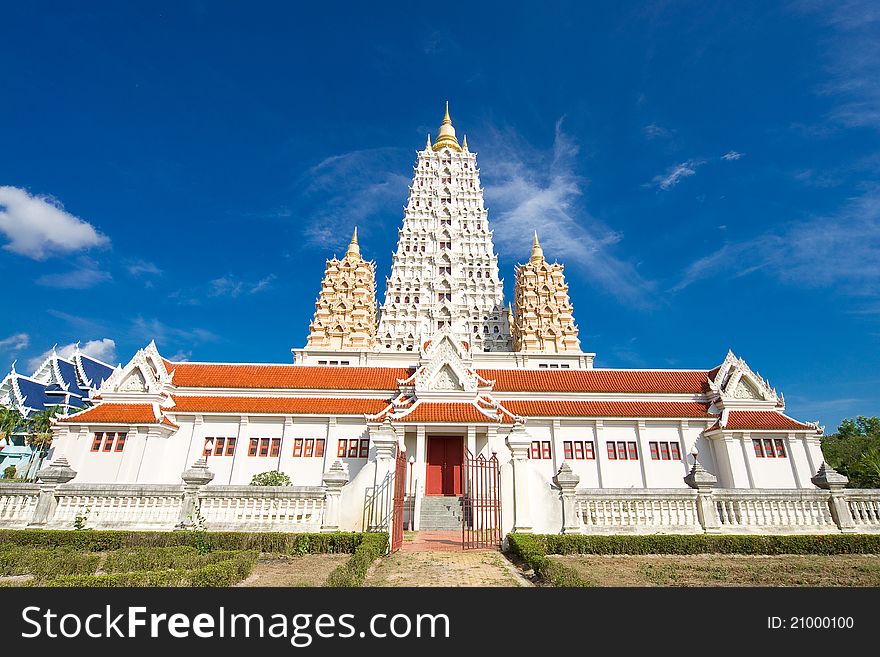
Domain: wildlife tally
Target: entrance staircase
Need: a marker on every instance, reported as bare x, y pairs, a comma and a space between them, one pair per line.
440, 512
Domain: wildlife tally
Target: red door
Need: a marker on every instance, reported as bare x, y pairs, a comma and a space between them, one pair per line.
444, 466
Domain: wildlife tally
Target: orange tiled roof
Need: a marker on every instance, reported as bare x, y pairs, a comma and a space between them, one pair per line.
282, 405
606, 409
117, 414
624, 381
747, 420
457, 412
303, 377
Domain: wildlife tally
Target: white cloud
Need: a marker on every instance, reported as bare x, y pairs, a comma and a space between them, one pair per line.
675, 174
796, 253
142, 267
654, 131
529, 189
38, 226
103, 350
153, 329
15, 342
181, 356
232, 286
86, 276
731, 156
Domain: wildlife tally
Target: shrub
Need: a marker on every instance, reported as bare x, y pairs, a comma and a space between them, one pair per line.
46, 563
9, 472
530, 550
353, 571
271, 478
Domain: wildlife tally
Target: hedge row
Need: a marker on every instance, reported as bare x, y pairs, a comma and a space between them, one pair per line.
46, 563
104, 541
232, 570
129, 560
529, 549
353, 571
708, 544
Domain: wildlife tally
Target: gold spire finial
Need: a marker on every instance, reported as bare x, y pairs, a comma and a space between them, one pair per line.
446, 134
353, 248
537, 251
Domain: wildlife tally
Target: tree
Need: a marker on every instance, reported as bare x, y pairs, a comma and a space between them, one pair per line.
855, 451
271, 478
39, 436
10, 420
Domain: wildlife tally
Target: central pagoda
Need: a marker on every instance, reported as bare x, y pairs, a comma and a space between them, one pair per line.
444, 274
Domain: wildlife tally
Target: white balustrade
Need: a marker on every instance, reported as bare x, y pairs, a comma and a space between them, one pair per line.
17, 504
773, 511
269, 508
630, 511
864, 506
117, 506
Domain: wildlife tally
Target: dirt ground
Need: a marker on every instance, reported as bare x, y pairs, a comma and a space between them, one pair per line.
460, 568
726, 570
287, 570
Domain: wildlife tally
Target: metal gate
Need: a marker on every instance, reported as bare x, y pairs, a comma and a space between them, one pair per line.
397, 502
481, 502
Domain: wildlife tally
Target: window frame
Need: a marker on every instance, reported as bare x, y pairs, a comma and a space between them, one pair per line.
297, 447
97, 440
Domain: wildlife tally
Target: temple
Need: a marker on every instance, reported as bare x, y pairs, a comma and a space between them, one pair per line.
447, 374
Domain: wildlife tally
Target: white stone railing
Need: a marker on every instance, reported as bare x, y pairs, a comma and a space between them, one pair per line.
17, 504
624, 510
773, 511
864, 507
117, 506
269, 508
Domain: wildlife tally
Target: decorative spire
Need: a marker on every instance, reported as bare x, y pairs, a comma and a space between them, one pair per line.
537, 251
428, 147
353, 249
464, 143
446, 134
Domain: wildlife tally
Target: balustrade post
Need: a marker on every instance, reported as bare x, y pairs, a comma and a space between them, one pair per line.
519, 442
703, 481
334, 480
567, 482
827, 478
194, 479
50, 477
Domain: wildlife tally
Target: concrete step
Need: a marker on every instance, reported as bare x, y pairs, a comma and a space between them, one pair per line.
440, 512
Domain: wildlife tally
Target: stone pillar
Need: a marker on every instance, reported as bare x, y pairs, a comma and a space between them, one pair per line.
519, 442
193, 479
334, 480
385, 440
703, 481
831, 480
567, 482
50, 477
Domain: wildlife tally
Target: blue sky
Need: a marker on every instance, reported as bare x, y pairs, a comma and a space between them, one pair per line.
709, 175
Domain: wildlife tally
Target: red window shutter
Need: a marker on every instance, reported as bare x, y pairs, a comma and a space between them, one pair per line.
341, 448
664, 451
252, 447
612, 453
545, 449
633, 452
96, 443
621, 451
759, 450
579, 450
768, 448
676, 454
588, 449
365, 448
780, 447
230, 446
310, 447
219, 444
120, 442
319, 448
276, 447
536, 449
298, 447
108, 442
567, 450
264, 447
655, 455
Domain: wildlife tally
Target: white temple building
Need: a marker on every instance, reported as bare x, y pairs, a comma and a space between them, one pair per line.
447, 371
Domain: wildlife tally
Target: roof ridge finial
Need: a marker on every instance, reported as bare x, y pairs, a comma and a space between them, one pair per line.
537, 251
446, 134
353, 248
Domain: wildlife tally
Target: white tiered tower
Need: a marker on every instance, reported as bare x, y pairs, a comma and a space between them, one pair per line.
445, 271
